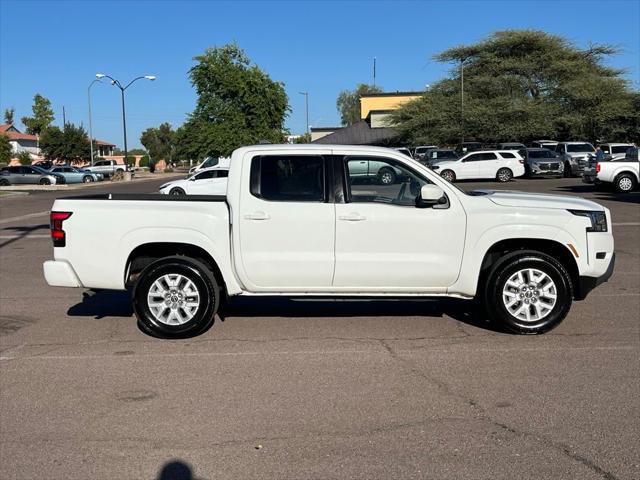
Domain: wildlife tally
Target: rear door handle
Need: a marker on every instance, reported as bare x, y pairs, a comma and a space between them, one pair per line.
257, 216
352, 217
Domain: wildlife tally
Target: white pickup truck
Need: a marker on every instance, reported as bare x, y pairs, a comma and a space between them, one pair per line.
623, 173
295, 222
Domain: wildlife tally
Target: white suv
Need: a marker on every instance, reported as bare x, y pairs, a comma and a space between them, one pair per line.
503, 165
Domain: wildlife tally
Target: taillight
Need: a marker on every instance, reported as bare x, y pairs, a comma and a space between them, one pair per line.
57, 233
597, 168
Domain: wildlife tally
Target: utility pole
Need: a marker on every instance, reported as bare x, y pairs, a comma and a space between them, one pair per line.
64, 119
306, 103
374, 71
90, 125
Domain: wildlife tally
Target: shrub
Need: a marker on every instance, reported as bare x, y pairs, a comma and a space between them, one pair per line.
24, 158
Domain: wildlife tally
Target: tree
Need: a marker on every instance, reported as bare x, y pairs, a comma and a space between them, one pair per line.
24, 158
304, 138
348, 102
42, 115
6, 151
159, 142
238, 104
8, 115
520, 85
70, 144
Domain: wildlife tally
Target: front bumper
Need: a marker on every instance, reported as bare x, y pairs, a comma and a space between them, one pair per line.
59, 273
586, 284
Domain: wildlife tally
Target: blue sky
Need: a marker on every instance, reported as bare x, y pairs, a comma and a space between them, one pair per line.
56, 47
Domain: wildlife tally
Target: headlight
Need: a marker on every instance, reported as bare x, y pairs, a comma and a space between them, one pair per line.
598, 219
163, 186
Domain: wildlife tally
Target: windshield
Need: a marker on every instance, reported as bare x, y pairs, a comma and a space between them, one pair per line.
541, 154
447, 155
580, 147
209, 162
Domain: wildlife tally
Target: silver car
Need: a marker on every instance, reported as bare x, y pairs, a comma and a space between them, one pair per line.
28, 175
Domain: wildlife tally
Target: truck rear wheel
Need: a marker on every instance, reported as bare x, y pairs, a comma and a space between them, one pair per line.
528, 292
625, 182
176, 297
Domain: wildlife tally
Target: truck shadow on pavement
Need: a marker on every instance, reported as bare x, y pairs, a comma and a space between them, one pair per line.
109, 303
103, 303
602, 193
176, 470
20, 232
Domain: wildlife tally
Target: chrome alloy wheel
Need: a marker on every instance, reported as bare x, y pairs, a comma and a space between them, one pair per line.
625, 184
529, 295
386, 178
173, 299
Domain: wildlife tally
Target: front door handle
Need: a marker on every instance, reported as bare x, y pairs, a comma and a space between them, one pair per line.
257, 216
352, 217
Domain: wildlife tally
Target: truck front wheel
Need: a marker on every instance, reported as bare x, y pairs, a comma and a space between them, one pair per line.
528, 292
176, 297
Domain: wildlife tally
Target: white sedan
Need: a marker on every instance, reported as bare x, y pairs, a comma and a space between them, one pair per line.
212, 181
502, 165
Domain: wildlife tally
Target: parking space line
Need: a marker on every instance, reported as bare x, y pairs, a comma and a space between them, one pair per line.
626, 224
22, 217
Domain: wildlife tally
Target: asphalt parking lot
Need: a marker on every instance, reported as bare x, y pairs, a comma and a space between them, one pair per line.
315, 388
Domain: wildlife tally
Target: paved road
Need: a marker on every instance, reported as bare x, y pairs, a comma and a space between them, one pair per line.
314, 389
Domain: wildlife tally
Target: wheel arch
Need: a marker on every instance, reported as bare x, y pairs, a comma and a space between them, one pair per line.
147, 253
552, 248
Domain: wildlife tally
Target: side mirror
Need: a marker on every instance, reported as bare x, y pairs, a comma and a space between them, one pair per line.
430, 195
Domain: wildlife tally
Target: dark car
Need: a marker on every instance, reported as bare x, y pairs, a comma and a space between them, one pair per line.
511, 146
542, 162
466, 147
438, 155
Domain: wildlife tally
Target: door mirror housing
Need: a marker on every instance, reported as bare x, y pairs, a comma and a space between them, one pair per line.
430, 195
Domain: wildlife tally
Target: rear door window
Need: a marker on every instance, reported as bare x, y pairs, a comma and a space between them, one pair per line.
288, 178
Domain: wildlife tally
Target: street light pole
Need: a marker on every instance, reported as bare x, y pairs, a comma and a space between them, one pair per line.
90, 124
306, 103
462, 98
124, 118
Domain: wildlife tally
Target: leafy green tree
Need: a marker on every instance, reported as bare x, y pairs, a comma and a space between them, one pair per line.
70, 144
42, 115
348, 102
238, 104
8, 115
159, 142
521, 85
304, 138
5, 149
24, 158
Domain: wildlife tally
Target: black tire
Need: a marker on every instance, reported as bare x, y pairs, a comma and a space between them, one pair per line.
625, 183
504, 175
87, 179
448, 175
386, 176
45, 181
509, 265
567, 170
4, 182
527, 171
202, 278
177, 191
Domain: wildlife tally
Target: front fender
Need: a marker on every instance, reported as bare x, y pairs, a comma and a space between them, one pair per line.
477, 249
